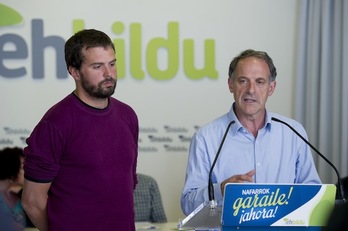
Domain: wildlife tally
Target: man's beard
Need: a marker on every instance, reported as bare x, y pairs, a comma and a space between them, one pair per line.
99, 91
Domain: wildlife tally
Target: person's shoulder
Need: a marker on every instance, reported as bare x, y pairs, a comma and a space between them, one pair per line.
59, 108
292, 122
219, 123
143, 177
116, 103
146, 181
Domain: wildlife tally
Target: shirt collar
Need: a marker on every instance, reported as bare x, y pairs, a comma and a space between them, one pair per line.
237, 125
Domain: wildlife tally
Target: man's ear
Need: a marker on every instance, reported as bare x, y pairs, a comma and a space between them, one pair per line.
272, 87
230, 84
74, 73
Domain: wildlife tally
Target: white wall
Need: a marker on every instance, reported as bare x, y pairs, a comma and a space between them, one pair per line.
180, 103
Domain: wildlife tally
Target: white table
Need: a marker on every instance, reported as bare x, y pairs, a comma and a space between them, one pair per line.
168, 226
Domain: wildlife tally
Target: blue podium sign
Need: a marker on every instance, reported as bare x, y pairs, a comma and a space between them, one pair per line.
276, 206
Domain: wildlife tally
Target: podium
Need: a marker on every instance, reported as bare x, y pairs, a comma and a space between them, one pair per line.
276, 207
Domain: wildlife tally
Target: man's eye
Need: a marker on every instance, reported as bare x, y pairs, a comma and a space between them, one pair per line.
260, 82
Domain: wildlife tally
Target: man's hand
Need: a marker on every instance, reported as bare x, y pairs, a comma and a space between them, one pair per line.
247, 177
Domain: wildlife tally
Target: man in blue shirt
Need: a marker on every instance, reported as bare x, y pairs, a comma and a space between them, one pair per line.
256, 149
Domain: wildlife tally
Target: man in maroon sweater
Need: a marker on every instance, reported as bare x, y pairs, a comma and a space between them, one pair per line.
80, 166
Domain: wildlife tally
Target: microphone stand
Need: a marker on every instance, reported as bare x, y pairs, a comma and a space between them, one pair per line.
340, 185
212, 201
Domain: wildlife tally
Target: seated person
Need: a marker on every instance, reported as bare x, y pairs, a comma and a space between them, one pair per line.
147, 201
12, 216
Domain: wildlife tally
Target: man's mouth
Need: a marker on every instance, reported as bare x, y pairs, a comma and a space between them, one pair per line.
248, 100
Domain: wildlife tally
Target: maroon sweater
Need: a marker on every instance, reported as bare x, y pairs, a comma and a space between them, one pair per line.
90, 156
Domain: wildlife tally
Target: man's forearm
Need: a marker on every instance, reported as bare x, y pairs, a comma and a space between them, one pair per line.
34, 201
38, 217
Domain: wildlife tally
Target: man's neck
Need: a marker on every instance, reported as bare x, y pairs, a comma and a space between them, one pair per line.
92, 101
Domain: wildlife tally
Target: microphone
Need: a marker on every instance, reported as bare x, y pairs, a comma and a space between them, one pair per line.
210, 182
340, 185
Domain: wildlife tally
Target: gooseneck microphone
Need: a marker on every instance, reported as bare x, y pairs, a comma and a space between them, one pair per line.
210, 182
340, 185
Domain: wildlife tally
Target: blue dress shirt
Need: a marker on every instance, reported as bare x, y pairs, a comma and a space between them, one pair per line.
277, 154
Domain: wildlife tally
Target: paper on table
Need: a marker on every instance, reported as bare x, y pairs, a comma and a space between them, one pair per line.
145, 226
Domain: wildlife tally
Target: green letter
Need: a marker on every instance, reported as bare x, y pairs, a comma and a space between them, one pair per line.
78, 24
172, 46
135, 51
236, 205
119, 44
209, 60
